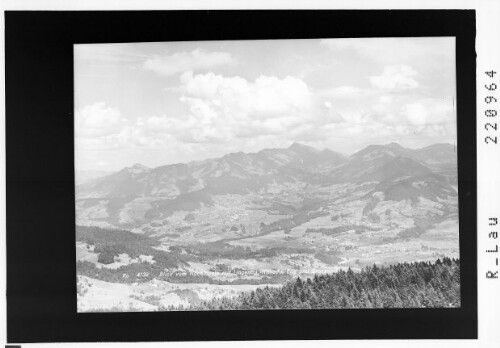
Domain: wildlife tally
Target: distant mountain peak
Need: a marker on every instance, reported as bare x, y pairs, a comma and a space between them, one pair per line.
138, 169
301, 147
140, 166
329, 152
238, 154
392, 149
394, 145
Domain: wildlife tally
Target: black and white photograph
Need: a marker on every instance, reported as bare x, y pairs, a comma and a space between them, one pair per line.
250, 175
266, 174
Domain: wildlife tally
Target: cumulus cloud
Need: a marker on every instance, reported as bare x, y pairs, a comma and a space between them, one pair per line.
394, 77
100, 127
220, 110
428, 112
180, 62
267, 96
229, 107
98, 120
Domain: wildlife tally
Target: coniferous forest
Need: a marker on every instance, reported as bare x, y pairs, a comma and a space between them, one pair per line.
405, 285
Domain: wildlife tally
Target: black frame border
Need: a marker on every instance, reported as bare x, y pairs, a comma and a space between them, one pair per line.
41, 287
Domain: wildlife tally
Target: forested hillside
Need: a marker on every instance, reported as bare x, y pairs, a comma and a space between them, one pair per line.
405, 285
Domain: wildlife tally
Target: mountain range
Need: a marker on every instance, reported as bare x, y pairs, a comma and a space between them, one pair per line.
240, 173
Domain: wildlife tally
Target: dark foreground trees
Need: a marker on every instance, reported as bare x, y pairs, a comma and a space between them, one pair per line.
405, 285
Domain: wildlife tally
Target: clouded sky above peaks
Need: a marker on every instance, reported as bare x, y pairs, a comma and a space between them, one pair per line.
163, 103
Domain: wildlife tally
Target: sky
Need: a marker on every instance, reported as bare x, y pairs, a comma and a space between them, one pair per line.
175, 102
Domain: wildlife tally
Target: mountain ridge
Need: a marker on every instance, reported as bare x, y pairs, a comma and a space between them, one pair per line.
242, 172
440, 146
